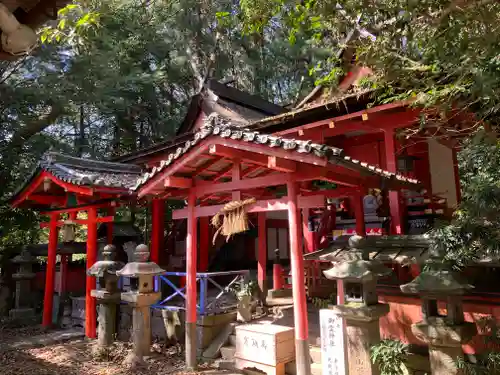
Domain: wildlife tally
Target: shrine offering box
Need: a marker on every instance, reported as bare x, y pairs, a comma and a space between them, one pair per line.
268, 344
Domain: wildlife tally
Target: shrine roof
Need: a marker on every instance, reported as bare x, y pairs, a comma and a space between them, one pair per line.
80, 172
219, 128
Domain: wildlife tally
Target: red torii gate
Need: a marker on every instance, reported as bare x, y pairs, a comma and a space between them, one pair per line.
223, 163
67, 185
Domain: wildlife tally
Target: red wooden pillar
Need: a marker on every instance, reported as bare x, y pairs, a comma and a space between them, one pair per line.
394, 196
50, 272
109, 228
298, 283
191, 339
90, 283
204, 243
359, 214
262, 252
158, 228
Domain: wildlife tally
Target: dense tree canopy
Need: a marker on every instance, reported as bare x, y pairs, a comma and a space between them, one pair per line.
438, 52
114, 76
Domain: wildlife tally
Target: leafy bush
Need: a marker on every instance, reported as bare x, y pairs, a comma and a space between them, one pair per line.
390, 357
487, 363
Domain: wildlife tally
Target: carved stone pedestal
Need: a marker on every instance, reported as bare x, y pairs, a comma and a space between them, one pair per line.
108, 298
23, 308
445, 342
362, 331
141, 296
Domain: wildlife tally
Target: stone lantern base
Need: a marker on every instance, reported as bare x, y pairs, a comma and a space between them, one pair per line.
445, 342
362, 331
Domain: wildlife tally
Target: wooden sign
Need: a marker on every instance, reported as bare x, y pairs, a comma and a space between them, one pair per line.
333, 355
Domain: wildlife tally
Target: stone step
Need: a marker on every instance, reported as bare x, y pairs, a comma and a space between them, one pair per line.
315, 354
225, 364
220, 340
232, 340
227, 352
316, 369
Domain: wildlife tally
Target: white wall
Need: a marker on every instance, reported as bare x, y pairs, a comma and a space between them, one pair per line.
442, 172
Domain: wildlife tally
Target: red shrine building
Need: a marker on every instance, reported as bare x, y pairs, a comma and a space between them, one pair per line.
334, 165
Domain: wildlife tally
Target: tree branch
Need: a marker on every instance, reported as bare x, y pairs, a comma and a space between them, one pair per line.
36, 126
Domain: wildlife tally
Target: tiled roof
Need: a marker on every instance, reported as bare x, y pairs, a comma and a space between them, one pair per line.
81, 171
216, 126
86, 172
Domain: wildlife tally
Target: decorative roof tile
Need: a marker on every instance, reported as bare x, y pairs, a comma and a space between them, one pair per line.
85, 172
217, 126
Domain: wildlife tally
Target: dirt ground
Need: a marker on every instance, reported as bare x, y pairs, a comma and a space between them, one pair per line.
74, 358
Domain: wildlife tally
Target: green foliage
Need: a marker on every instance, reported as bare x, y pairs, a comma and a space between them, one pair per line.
390, 356
433, 52
74, 23
244, 288
487, 363
475, 230
322, 303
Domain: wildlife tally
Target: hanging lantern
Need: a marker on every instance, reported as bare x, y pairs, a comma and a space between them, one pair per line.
69, 231
406, 163
46, 184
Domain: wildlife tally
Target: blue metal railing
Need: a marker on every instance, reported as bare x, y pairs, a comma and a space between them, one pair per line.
206, 304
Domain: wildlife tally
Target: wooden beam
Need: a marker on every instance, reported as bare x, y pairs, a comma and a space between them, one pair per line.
78, 208
271, 162
152, 185
282, 165
334, 193
271, 151
105, 219
208, 187
178, 182
315, 201
205, 166
349, 116
47, 199
236, 176
330, 174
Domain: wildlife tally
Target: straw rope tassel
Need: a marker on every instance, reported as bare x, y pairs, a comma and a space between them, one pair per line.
232, 218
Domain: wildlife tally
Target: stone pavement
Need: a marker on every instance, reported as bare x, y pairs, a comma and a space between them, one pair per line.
49, 338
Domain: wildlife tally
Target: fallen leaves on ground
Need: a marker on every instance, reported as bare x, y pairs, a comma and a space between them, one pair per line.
75, 358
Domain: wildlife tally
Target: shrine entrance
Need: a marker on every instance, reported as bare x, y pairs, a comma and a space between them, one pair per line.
60, 188
229, 172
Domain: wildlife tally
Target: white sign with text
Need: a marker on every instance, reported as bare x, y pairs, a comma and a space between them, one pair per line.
333, 356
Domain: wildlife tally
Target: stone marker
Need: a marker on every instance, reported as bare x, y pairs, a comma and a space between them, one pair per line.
108, 298
23, 277
361, 310
141, 296
332, 343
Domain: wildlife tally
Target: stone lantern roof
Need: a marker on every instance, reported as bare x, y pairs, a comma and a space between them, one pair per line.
141, 265
357, 271
437, 283
102, 267
24, 257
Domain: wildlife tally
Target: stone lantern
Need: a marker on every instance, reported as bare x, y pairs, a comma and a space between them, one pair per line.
361, 310
23, 277
141, 296
108, 297
445, 334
